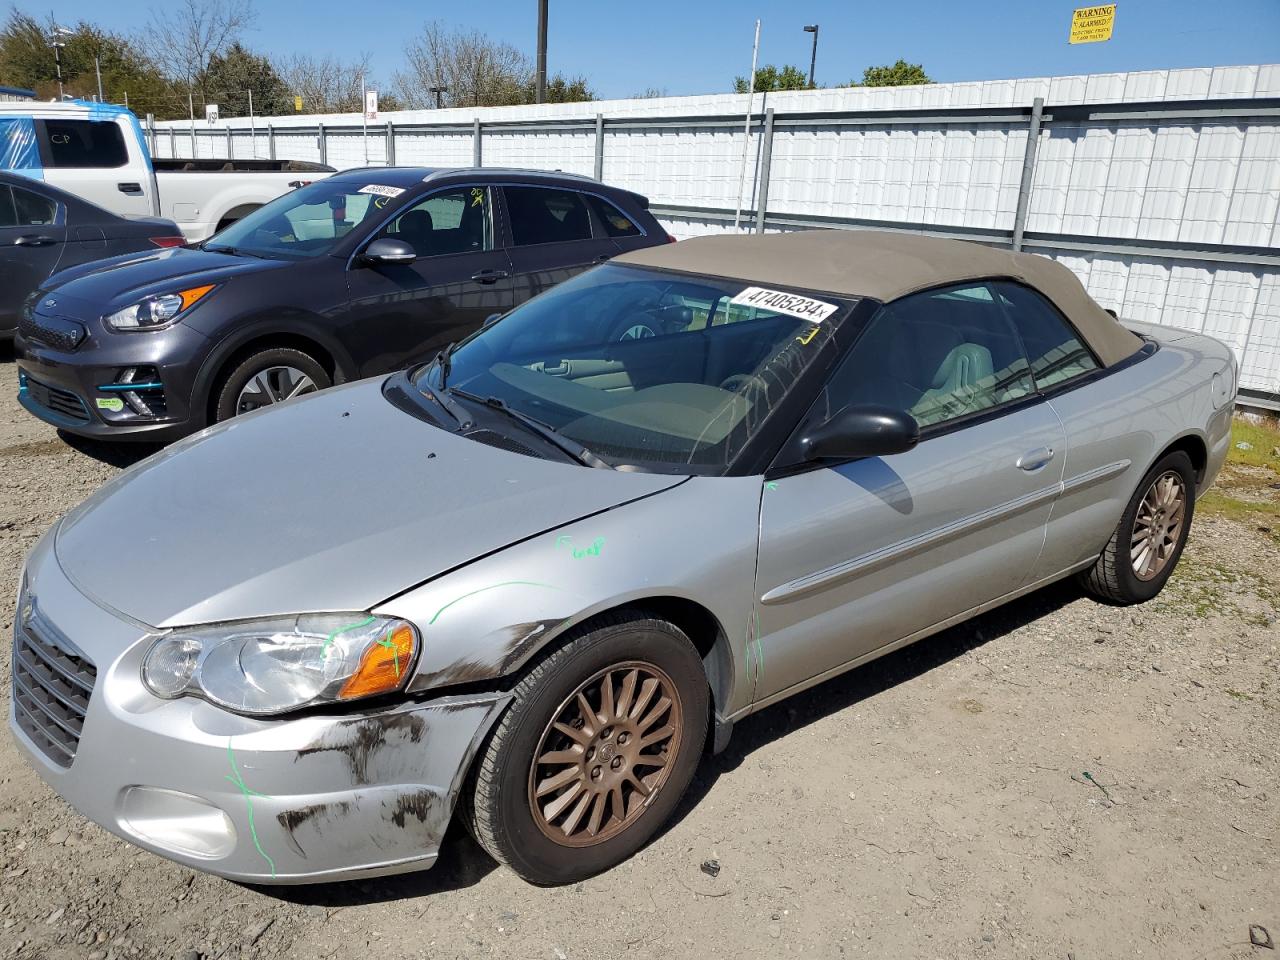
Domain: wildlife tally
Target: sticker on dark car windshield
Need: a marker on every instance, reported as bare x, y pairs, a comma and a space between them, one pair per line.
792, 304
379, 190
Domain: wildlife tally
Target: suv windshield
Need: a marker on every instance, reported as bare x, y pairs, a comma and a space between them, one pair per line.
308, 222
644, 367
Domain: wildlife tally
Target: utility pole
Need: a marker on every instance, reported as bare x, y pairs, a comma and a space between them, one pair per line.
541, 92
191, 107
813, 57
439, 92
97, 68
253, 132
746, 130
57, 41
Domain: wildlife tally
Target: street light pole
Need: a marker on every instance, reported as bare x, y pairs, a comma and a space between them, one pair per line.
439, 92
541, 92
58, 41
813, 57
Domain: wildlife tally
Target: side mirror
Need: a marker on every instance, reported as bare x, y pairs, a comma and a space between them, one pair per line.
862, 430
389, 251
490, 320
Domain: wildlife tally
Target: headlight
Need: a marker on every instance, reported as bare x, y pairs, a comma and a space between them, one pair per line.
272, 666
155, 312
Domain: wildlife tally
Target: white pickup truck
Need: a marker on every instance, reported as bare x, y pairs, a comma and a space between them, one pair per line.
99, 152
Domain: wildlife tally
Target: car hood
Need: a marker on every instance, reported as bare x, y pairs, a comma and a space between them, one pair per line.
108, 285
334, 502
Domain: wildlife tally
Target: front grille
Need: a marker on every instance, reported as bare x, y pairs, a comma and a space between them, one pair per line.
494, 439
51, 690
54, 331
59, 401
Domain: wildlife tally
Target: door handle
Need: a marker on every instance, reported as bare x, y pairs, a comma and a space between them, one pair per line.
1033, 460
490, 276
33, 240
132, 188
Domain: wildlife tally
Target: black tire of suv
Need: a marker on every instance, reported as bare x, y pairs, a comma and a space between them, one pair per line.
1112, 576
235, 380
497, 805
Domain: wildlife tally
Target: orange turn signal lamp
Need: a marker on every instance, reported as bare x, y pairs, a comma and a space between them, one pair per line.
385, 664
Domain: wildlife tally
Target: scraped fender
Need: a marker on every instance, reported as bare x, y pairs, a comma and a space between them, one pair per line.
694, 544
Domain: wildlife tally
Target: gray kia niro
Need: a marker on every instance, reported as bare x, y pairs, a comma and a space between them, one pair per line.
533, 580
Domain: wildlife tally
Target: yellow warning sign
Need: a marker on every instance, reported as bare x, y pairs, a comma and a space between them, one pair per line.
297, 101
1093, 24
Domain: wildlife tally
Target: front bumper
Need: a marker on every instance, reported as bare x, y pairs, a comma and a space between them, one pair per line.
68, 390
316, 798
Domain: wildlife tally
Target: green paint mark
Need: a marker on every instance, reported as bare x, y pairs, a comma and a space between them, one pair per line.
389, 644
564, 540
1089, 776
248, 801
771, 485
492, 586
328, 641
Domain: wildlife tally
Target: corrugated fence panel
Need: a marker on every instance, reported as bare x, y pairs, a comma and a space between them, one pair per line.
569, 151
433, 149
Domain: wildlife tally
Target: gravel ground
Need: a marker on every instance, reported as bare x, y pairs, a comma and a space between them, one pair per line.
934, 804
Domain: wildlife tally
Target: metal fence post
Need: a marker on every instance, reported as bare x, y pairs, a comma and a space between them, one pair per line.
230, 146
271, 141
151, 130
324, 147
391, 144
1028, 172
766, 156
599, 146
475, 144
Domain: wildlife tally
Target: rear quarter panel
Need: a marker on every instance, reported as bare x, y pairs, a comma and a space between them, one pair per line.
198, 201
1121, 424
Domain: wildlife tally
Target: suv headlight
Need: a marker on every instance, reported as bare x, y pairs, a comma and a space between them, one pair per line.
158, 311
263, 667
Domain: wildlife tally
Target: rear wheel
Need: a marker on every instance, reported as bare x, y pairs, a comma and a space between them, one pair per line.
268, 377
595, 752
1146, 546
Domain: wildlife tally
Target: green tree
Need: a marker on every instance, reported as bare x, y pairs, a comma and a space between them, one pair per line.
27, 60
560, 89
232, 75
900, 74
770, 78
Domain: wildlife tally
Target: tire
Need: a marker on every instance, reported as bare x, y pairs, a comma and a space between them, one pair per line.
263, 364
533, 834
1115, 576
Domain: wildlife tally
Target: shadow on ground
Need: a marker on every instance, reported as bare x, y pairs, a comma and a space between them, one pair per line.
119, 455
462, 863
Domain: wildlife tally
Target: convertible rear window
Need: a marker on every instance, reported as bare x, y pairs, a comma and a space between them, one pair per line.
648, 368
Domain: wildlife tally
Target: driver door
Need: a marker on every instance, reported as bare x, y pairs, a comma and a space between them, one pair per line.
402, 314
861, 555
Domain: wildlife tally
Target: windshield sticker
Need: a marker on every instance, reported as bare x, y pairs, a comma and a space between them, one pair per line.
379, 190
792, 304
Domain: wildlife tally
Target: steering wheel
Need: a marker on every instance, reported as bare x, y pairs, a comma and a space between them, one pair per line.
640, 327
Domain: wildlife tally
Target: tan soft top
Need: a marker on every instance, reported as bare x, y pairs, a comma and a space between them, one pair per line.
886, 266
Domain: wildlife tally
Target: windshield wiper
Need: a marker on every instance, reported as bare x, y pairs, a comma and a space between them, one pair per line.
571, 447
445, 359
451, 407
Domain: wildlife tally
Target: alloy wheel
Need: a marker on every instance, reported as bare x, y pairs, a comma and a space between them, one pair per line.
1157, 526
273, 385
607, 751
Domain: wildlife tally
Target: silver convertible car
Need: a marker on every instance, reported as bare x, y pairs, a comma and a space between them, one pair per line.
532, 581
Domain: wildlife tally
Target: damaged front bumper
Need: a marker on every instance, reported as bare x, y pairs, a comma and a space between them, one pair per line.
304, 800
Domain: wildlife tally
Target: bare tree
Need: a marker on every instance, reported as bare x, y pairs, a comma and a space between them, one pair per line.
326, 84
474, 70
186, 35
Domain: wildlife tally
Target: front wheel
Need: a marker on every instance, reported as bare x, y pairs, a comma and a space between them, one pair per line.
268, 377
595, 752
1146, 546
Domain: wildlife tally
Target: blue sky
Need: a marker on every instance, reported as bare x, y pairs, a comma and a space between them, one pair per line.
698, 46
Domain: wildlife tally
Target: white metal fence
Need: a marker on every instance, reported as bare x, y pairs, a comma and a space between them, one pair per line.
1160, 189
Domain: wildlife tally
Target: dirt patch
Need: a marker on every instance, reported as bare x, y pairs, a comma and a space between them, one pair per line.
933, 804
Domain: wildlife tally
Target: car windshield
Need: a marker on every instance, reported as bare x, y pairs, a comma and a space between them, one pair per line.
646, 368
308, 222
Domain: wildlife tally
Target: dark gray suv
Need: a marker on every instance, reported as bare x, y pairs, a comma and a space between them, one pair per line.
359, 274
